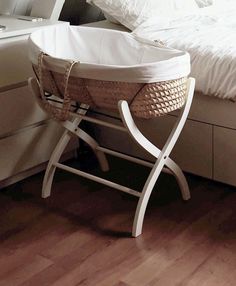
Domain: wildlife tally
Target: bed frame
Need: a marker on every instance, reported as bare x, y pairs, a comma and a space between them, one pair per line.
207, 146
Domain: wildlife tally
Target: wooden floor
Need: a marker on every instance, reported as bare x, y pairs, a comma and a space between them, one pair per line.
81, 235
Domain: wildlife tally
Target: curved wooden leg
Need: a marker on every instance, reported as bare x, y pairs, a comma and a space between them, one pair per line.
181, 179
71, 128
90, 141
94, 145
146, 193
56, 155
50, 171
162, 156
147, 190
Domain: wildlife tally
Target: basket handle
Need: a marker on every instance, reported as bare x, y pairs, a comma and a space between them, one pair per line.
63, 113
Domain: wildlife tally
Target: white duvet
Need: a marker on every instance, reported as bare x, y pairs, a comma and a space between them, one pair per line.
210, 38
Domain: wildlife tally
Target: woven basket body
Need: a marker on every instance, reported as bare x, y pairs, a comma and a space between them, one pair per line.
145, 100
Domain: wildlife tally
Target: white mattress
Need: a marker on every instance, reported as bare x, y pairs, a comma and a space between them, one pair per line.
209, 37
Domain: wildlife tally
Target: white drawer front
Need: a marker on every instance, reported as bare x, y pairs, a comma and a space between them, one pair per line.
14, 63
225, 155
27, 149
18, 109
193, 151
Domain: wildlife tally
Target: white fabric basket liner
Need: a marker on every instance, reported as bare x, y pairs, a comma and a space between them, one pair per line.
107, 55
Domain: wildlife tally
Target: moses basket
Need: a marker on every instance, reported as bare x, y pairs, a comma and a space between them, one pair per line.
110, 70
150, 77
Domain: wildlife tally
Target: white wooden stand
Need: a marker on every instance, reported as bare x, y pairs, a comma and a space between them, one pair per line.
163, 162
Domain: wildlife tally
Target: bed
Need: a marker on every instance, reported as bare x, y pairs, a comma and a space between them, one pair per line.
207, 146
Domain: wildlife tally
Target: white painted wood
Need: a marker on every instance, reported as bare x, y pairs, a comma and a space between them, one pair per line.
19, 110
15, 66
74, 129
193, 150
47, 9
34, 170
98, 180
153, 150
55, 157
27, 138
59, 150
16, 27
28, 149
161, 157
99, 122
131, 159
149, 147
71, 129
180, 177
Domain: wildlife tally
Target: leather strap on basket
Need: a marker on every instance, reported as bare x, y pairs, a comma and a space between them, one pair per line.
63, 113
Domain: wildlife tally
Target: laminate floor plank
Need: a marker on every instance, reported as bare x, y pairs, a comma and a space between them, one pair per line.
46, 277
81, 234
25, 271
218, 269
36, 237
193, 235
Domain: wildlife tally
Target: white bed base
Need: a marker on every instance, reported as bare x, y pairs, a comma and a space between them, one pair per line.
162, 163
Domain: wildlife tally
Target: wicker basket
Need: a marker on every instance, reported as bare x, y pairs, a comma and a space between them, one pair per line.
145, 100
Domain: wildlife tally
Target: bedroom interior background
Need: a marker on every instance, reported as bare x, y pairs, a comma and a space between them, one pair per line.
22, 123
207, 163
207, 144
78, 12
19, 133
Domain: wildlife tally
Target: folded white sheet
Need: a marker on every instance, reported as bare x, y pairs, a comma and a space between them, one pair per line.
129, 60
210, 37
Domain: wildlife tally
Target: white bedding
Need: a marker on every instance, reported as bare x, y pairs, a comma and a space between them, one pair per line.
210, 38
142, 62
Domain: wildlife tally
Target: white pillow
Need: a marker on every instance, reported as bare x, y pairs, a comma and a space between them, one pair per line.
204, 3
131, 13
111, 19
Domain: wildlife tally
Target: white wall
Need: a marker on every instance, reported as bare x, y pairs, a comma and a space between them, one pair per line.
20, 7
